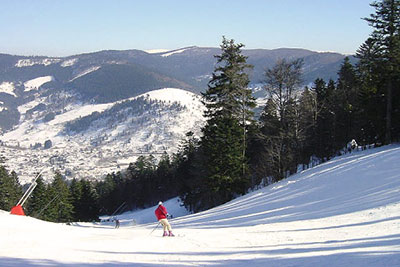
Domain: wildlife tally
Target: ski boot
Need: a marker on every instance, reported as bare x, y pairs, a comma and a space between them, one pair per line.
165, 233
171, 234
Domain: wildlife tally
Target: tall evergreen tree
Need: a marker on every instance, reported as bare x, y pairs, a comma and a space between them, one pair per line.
229, 105
372, 94
167, 184
190, 172
10, 189
107, 191
87, 207
61, 208
75, 188
386, 36
308, 112
37, 203
346, 104
326, 121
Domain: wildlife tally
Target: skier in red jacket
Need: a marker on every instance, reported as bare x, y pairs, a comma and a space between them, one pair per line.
162, 215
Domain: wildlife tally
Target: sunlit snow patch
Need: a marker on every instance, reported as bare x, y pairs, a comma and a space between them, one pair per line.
31, 62
34, 84
69, 62
8, 88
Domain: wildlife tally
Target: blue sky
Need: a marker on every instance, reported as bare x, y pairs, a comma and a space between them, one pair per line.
67, 27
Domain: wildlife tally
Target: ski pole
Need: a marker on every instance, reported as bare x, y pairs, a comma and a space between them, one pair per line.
155, 228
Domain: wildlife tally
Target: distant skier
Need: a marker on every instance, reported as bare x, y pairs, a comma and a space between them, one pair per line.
116, 223
352, 145
162, 215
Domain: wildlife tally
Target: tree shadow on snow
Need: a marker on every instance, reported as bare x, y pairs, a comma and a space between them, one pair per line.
350, 184
17, 262
332, 253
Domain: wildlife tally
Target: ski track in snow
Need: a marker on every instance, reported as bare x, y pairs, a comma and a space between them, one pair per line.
345, 212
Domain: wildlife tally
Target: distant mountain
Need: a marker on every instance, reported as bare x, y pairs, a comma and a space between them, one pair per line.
194, 65
119, 81
89, 114
108, 76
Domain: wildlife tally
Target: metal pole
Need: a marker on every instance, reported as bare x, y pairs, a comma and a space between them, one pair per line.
118, 208
29, 191
26, 193
51, 201
155, 228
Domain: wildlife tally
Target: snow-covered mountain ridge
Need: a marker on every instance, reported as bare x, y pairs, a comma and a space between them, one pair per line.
344, 212
79, 103
86, 140
109, 76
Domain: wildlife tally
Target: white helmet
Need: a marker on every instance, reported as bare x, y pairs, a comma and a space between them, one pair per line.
159, 203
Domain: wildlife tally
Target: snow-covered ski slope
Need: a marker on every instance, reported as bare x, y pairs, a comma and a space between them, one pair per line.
345, 212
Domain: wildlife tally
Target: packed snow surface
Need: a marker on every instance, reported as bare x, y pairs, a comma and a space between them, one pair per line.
344, 212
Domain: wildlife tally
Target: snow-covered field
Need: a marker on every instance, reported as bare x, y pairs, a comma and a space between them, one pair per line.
8, 88
345, 212
34, 84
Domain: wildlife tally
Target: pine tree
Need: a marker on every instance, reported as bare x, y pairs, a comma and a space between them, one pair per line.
324, 140
229, 106
75, 188
10, 189
308, 112
222, 143
167, 184
37, 203
144, 183
346, 99
107, 191
386, 36
86, 207
190, 172
372, 94
61, 208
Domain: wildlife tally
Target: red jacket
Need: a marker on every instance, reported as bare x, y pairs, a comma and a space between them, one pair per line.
161, 212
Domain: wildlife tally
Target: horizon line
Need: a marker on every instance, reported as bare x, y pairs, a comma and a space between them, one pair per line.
166, 50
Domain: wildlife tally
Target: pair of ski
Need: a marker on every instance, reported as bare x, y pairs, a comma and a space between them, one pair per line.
165, 235
168, 235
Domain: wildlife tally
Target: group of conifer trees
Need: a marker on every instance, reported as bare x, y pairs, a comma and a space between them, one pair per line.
58, 201
10, 189
238, 151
